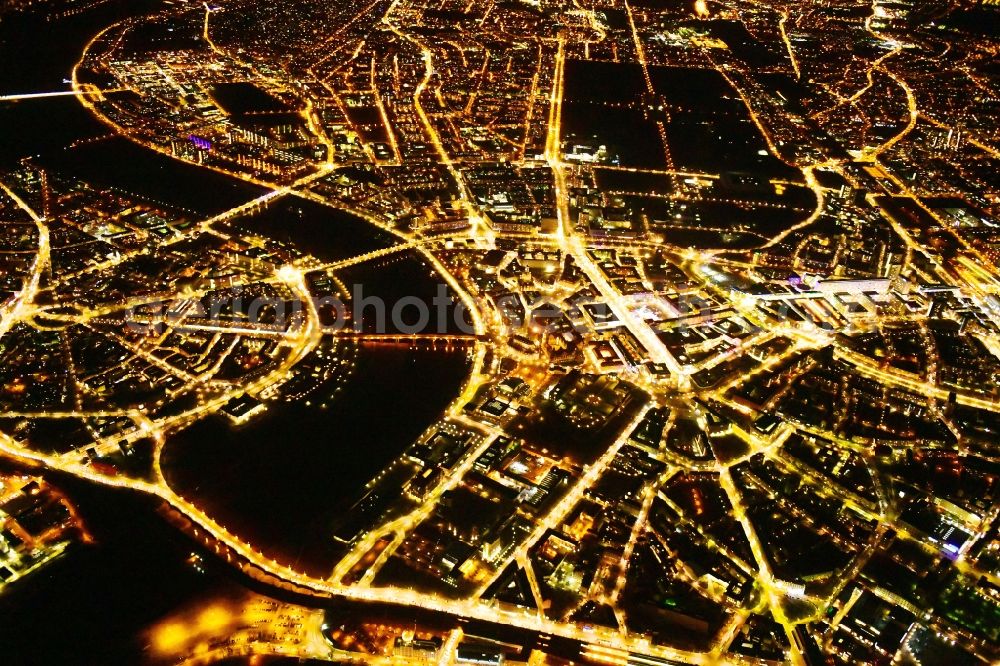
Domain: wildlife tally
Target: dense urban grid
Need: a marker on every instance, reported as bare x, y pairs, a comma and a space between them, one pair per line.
725, 274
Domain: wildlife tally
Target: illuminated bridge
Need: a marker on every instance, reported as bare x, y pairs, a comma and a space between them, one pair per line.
87, 91
447, 339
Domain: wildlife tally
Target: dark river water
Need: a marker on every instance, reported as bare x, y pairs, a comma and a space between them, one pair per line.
281, 480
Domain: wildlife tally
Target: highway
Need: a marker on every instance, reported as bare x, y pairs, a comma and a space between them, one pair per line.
788, 45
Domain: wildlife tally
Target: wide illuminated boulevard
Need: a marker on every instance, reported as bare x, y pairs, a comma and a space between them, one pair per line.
622, 332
